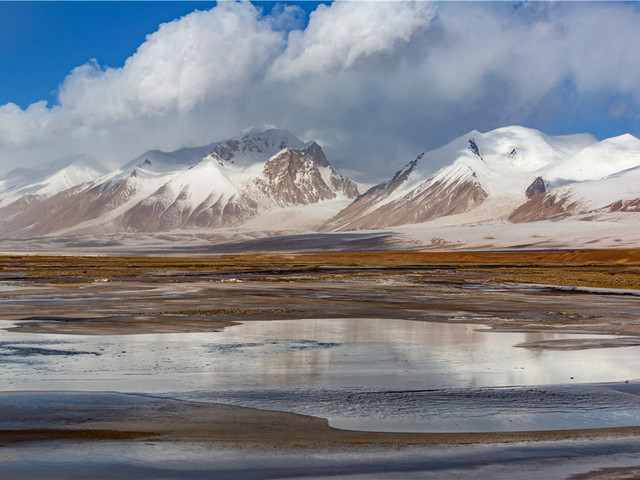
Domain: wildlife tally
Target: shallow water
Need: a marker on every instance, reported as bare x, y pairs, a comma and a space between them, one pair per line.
369, 374
166, 460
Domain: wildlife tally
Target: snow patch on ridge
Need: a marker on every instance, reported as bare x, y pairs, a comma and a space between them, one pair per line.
596, 161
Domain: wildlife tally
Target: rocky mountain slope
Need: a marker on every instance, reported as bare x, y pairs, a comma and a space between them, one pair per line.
512, 173
221, 184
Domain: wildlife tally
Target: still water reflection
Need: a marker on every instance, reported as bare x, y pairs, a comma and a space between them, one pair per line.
360, 373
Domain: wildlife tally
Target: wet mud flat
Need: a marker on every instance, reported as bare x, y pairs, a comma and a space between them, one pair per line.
46, 299
523, 290
115, 416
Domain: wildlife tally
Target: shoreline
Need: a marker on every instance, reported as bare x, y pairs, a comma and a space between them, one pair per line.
169, 420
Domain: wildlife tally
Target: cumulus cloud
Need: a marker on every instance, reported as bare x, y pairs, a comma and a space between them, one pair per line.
609, 54
286, 17
18, 126
201, 57
376, 82
340, 34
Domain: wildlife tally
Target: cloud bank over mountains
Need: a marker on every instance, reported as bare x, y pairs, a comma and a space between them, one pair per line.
375, 83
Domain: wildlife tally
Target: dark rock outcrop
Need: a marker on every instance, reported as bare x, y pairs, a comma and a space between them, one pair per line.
537, 187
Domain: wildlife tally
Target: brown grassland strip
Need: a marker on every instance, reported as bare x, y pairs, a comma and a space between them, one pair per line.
593, 268
618, 276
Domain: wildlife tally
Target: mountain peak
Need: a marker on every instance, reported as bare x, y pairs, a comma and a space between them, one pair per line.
317, 154
259, 128
49, 178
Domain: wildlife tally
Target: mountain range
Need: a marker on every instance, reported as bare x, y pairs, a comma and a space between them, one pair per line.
513, 173
509, 175
218, 185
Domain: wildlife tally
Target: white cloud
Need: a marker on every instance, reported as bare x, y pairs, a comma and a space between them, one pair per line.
602, 48
286, 17
18, 126
340, 34
201, 57
378, 82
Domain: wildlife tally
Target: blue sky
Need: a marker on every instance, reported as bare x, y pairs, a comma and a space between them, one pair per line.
375, 83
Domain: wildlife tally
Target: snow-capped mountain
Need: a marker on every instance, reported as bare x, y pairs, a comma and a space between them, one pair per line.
513, 172
269, 180
217, 185
22, 187
603, 176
